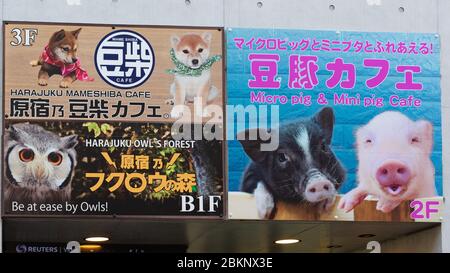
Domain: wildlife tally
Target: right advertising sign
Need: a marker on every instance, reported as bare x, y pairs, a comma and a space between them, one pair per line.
329, 125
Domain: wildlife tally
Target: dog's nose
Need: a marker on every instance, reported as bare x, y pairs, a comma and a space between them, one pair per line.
74, 60
194, 61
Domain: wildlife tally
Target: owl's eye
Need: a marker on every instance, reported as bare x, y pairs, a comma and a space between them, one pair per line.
26, 155
55, 158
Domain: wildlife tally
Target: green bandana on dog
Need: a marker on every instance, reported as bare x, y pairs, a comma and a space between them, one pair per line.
184, 70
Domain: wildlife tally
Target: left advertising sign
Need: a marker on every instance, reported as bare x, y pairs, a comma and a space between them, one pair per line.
103, 120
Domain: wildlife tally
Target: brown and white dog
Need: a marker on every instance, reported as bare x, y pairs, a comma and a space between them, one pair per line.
60, 57
191, 51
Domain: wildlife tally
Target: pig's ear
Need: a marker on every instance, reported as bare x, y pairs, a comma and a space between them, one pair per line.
251, 142
425, 130
325, 119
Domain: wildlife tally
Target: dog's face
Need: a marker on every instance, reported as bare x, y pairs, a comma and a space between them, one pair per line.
64, 45
303, 167
192, 49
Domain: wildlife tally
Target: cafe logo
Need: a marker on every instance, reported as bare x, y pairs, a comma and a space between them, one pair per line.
124, 59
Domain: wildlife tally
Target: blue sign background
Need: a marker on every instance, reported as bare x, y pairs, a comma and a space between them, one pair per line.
348, 118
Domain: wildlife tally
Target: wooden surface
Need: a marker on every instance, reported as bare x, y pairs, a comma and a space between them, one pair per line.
242, 206
19, 74
367, 211
287, 211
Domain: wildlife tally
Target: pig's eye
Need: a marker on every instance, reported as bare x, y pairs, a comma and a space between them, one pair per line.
282, 158
185, 51
415, 140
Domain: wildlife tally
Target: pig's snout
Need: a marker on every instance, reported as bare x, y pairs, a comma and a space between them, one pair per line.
393, 176
319, 190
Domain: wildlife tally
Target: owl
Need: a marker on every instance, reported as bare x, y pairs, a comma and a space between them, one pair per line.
39, 165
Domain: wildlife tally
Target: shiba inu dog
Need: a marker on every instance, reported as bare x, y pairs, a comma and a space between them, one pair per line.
303, 169
190, 54
60, 57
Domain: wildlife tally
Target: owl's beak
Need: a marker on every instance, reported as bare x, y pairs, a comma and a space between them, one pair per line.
40, 173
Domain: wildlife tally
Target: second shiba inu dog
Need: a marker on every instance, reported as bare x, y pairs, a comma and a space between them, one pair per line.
60, 57
190, 54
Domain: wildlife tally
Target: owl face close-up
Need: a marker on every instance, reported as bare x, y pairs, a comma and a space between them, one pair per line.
36, 157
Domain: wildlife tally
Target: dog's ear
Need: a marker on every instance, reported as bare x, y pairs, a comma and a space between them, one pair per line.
251, 141
174, 40
76, 32
59, 35
207, 37
325, 119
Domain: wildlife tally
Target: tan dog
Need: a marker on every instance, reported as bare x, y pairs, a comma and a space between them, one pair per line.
190, 54
60, 57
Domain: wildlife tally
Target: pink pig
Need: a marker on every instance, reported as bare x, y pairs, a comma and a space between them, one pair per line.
394, 162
